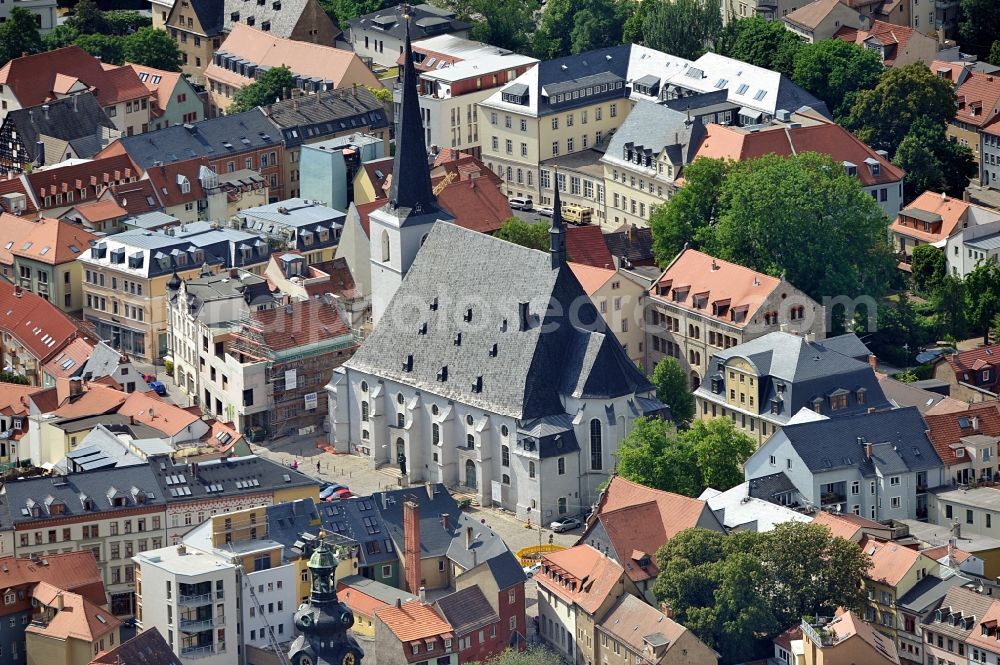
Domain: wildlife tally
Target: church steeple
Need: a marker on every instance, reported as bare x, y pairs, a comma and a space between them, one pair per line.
411, 179
557, 234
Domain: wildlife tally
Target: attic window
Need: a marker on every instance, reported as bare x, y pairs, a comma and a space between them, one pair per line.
234, 17
265, 26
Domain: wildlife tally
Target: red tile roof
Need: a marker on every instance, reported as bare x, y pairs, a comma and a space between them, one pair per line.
76, 572
965, 361
366, 209
591, 278
95, 400
846, 525
163, 88
13, 230
100, 211
168, 189
148, 409
588, 576
461, 166
19, 185
54, 242
945, 430
309, 322
68, 362
978, 93
98, 172
135, 197
586, 244
413, 621
824, 137
36, 323
373, 169
146, 648
476, 204
77, 619
890, 561
893, 37
950, 210
36, 79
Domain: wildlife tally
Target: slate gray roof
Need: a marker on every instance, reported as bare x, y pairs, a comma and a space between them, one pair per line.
377, 590
210, 13
288, 521
358, 519
928, 591
434, 538
232, 476
572, 72
899, 439
650, 129
283, 15
77, 119
134, 486
427, 20
428, 319
794, 372
103, 361
328, 112
634, 247
848, 344
467, 610
906, 394
250, 130
770, 486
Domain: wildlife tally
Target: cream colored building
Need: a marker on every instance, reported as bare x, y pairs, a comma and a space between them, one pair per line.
621, 302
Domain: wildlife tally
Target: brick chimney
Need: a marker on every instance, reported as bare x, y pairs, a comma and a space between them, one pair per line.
873, 361
411, 544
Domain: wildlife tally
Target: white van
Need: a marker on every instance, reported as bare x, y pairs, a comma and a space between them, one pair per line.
521, 203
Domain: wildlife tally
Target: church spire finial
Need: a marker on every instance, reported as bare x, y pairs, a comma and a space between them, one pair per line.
411, 179
557, 234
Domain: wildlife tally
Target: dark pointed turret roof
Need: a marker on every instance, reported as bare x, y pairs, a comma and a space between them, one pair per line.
557, 234
411, 178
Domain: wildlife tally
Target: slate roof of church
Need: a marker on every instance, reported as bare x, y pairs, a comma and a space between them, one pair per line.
460, 270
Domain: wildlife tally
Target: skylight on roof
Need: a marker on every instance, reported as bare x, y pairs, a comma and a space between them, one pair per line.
742, 89
74, 249
156, 79
9, 244
430, 63
45, 250
26, 246
721, 83
760, 94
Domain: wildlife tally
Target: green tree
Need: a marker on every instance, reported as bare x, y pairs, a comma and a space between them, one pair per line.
10, 377
994, 58
929, 266
979, 25
719, 450
883, 115
684, 28
109, 48
570, 26
933, 162
535, 236
687, 215
767, 44
652, 455
59, 36
534, 655
383, 95
948, 301
153, 48
768, 205
835, 71
342, 11
124, 22
982, 288
504, 23
19, 35
88, 19
672, 388
898, 324
269, 86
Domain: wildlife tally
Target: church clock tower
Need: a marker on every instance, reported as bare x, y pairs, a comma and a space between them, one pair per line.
323, 622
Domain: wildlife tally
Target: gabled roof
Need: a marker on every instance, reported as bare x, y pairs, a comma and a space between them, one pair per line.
891, 36
78, 619
810, 16
226, 477
978, 94
846, 526
147, 408
476, 204
932, 207
414, 621
170, 180
946, 430
68, 362
53, 242
378, 170
76, 572
136, 198
587, 245
633, 244
307, 322
97, 211
12, 231
70, 119
36, 79
467, 610
650, 129
146, 648
639, 625
580, 575
158, 81
890, 561
364, 595
284, 16
327, 113
964, 602
973, 359
531, 367
849, 626
985, 634
62, 179
591, 278
41, 327
356, 518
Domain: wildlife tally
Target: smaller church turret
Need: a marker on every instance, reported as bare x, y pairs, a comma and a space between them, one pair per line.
323, 621
557, 233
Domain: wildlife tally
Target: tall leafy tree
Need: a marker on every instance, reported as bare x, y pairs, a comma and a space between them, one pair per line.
342, 11
153, 48
59, 36
535, 236
994, 58
933, 161
19, 35
504, 23
835, 71
271, 85
950, 306
109, 48
929, 266
687, 216
651, 455
720, 450
883, 115
575, 26
982, 288
671, 383
979, 25
124, 22
763, 43
685, 28
88, 19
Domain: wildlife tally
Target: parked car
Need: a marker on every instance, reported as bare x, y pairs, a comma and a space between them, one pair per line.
329, 490
157, 387
566, 524
545, 211
521, 203
342, 493
529, 571
148, 378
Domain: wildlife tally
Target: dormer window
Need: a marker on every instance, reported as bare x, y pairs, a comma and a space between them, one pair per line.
851, 168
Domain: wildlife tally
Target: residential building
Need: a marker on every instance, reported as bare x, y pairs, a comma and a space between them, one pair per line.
916, 605
945, 222
175, 101
621, 302
474, 623
379, 37
247, 52
895, 570
878, 465
44, 260
855, 528
420, 400
371, 179
240, 141
288, 273
966, 441
581, 181
197, 29
973, 509
971, 375
309, 119
897, 45
147, 644
106, 361
808, 131
631, 247
66, 627
577, 588
767, 9
651, 148
33, 80
763, 384
978, 102
821, 19
455, 75
989, 150
34, 331
946, 15
305, 227
845, 640
299, 20
701, 305
46, 13
159, 9
631, 522
13, 420
182, 189
634, 632
52, 191
328, 167
363, 596
413, 632
113, 513
953, 621
74, 127
739, 510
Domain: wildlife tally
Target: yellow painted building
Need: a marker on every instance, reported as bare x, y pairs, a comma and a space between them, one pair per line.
184, 24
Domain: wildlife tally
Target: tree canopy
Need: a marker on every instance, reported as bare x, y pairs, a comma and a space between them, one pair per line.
108, 48
929, 266
709, 454
979, 26
575, 26
736, 592
534, 655
269, 86
19, 35
153, 48
535, 236
982, 288
835, 71
933, 162
671, 383
767, 44
686, 217
504, 23
684, 28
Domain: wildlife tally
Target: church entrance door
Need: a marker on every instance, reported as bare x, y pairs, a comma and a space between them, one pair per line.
470, 474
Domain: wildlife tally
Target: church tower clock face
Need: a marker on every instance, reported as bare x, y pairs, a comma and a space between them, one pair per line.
349, 659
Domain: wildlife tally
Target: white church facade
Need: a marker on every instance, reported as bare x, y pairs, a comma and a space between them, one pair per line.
488, 366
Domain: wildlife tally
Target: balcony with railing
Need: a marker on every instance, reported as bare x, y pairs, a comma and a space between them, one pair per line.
197, 652
194, 600
197, 625
833, 493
